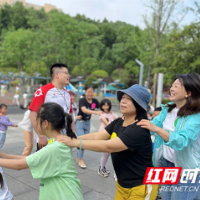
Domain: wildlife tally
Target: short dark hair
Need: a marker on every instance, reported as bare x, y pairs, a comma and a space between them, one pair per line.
56, 65
56, 116
191, 83
3, 105
158, 109
103, 102
88, 87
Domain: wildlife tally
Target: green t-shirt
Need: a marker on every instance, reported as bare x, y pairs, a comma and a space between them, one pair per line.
54, 165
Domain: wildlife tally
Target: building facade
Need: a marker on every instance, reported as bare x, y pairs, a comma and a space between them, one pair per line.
46, 7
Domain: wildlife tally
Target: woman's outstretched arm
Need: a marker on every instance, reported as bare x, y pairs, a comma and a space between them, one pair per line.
9, 156
14, 163
110, 146
101, 135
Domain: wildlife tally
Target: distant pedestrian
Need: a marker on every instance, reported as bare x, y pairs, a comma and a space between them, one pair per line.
2, 90
87, 106
4, 123
16, 99
25, 98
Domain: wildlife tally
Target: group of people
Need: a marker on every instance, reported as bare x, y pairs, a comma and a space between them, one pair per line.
61, 125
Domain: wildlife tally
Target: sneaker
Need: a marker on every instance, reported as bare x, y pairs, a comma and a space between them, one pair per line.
101, 172
105, 170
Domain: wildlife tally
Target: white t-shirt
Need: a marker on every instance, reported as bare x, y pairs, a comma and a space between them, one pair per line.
168, 125
5, 194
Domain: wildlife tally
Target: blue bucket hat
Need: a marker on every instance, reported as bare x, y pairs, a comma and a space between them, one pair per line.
137, 93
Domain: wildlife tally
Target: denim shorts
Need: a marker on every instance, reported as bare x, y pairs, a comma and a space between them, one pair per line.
2, 139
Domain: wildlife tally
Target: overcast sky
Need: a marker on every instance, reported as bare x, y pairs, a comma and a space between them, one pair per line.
129, 11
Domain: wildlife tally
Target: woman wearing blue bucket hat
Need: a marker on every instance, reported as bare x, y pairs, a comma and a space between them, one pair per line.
130, 145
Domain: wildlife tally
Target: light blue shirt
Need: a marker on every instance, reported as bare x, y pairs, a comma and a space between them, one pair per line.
185, 140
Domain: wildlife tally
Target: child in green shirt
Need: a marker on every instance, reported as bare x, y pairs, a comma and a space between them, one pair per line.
54, 163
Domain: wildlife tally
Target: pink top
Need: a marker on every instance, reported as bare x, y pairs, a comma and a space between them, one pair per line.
111, 116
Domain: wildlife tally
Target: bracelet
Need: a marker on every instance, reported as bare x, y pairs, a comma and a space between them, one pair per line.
81, 144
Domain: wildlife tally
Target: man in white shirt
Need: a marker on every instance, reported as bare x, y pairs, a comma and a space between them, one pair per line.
52, 92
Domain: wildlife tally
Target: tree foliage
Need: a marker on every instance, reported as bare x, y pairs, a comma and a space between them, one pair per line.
100, 73
32, 40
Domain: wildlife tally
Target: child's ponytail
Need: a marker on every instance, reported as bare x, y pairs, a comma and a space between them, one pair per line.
1, 181
68, 122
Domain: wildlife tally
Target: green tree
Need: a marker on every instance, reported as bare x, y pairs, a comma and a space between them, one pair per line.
132, 68
89, 65
100, 73
90, 79
122, 75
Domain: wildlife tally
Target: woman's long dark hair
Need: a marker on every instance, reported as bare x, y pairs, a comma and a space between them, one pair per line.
191, 83
141, 113
56, 116
1, 180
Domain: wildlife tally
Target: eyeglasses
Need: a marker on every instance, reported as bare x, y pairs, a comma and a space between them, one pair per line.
64, 72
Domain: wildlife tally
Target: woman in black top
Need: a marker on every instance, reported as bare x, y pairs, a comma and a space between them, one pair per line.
87, 105
130, 145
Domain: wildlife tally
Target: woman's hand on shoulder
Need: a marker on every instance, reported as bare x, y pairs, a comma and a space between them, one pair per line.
99, 112
67, 140
144, 123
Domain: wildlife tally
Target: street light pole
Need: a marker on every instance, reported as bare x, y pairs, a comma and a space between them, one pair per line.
160, 89
10, 79
141, 71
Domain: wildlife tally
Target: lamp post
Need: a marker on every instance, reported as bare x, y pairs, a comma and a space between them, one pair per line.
160, 89
141, 71
22, 82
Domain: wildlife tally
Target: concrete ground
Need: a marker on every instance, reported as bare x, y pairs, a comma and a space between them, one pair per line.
24, 187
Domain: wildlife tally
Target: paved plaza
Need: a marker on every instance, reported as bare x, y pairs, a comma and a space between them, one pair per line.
24, 187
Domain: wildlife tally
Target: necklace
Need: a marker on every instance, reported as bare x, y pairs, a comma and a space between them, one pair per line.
129, 123
63, 95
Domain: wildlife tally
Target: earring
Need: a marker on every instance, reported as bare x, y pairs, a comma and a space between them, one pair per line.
186, 96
